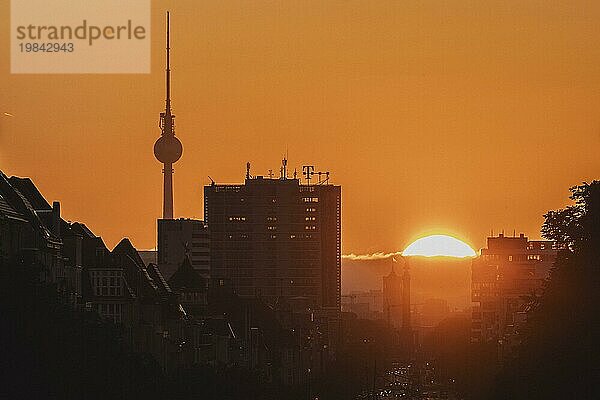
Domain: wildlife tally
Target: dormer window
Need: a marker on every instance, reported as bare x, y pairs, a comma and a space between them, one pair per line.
107, 282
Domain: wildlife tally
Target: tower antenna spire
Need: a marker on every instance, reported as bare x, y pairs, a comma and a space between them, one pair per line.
168, 69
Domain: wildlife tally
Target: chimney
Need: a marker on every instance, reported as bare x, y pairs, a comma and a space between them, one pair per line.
56, 218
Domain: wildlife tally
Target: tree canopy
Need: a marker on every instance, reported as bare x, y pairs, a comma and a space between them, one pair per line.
559, 357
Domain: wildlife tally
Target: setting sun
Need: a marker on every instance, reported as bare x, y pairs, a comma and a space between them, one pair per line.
439, 245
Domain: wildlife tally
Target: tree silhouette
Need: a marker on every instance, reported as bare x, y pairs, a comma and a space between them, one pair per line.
559, 356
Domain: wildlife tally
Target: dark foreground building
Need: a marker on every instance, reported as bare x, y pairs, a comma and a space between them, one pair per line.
277, 239
508, 272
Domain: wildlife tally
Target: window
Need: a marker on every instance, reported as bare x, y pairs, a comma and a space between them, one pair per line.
310, 199
107, 283
111, 312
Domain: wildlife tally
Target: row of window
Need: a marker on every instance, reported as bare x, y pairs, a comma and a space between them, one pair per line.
111, 312
107, 283
273, 235
516, 257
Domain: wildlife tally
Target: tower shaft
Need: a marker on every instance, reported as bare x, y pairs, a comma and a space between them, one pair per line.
168, 191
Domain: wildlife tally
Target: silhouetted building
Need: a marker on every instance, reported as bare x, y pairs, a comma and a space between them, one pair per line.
277, 238
367, 304
190, 286
31, 229
149, 256
392, 297
432, 312
508, 271
179, 238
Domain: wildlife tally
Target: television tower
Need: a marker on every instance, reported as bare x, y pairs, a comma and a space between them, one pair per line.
168, 148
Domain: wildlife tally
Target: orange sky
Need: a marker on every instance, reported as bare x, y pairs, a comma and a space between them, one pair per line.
434, 116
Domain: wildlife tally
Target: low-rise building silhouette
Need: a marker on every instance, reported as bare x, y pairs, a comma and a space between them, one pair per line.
508, 272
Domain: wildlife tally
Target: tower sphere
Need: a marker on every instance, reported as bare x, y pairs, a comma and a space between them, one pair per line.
168, 149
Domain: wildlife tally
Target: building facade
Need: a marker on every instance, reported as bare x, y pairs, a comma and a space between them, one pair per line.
182, 238
508, 272
392, 298
276, 239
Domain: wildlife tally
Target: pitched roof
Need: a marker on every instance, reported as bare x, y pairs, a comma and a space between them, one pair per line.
8, 211
29, 190
125, 247
82, 229
187, 277
20, 203
158, 277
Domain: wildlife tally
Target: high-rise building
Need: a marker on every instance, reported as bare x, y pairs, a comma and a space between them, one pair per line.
277, 239
508, 271
178, 238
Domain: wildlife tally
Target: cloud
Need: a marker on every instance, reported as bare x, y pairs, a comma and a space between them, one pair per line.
370, 257
8, 114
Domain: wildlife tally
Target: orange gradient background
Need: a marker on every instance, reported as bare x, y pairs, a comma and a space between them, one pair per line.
448, 117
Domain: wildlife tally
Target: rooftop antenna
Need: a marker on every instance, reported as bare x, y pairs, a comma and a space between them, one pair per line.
308, 171
295, 173
270, 174
284, 167
248, 170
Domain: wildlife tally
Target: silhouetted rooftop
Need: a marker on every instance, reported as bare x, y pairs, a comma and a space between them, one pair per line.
186, 277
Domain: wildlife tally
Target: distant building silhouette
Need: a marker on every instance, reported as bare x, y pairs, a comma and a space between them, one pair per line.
277, 239
508, 271
392, 297
179, 238
367, 304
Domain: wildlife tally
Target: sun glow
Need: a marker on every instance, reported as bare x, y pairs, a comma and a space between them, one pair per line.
439, 245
